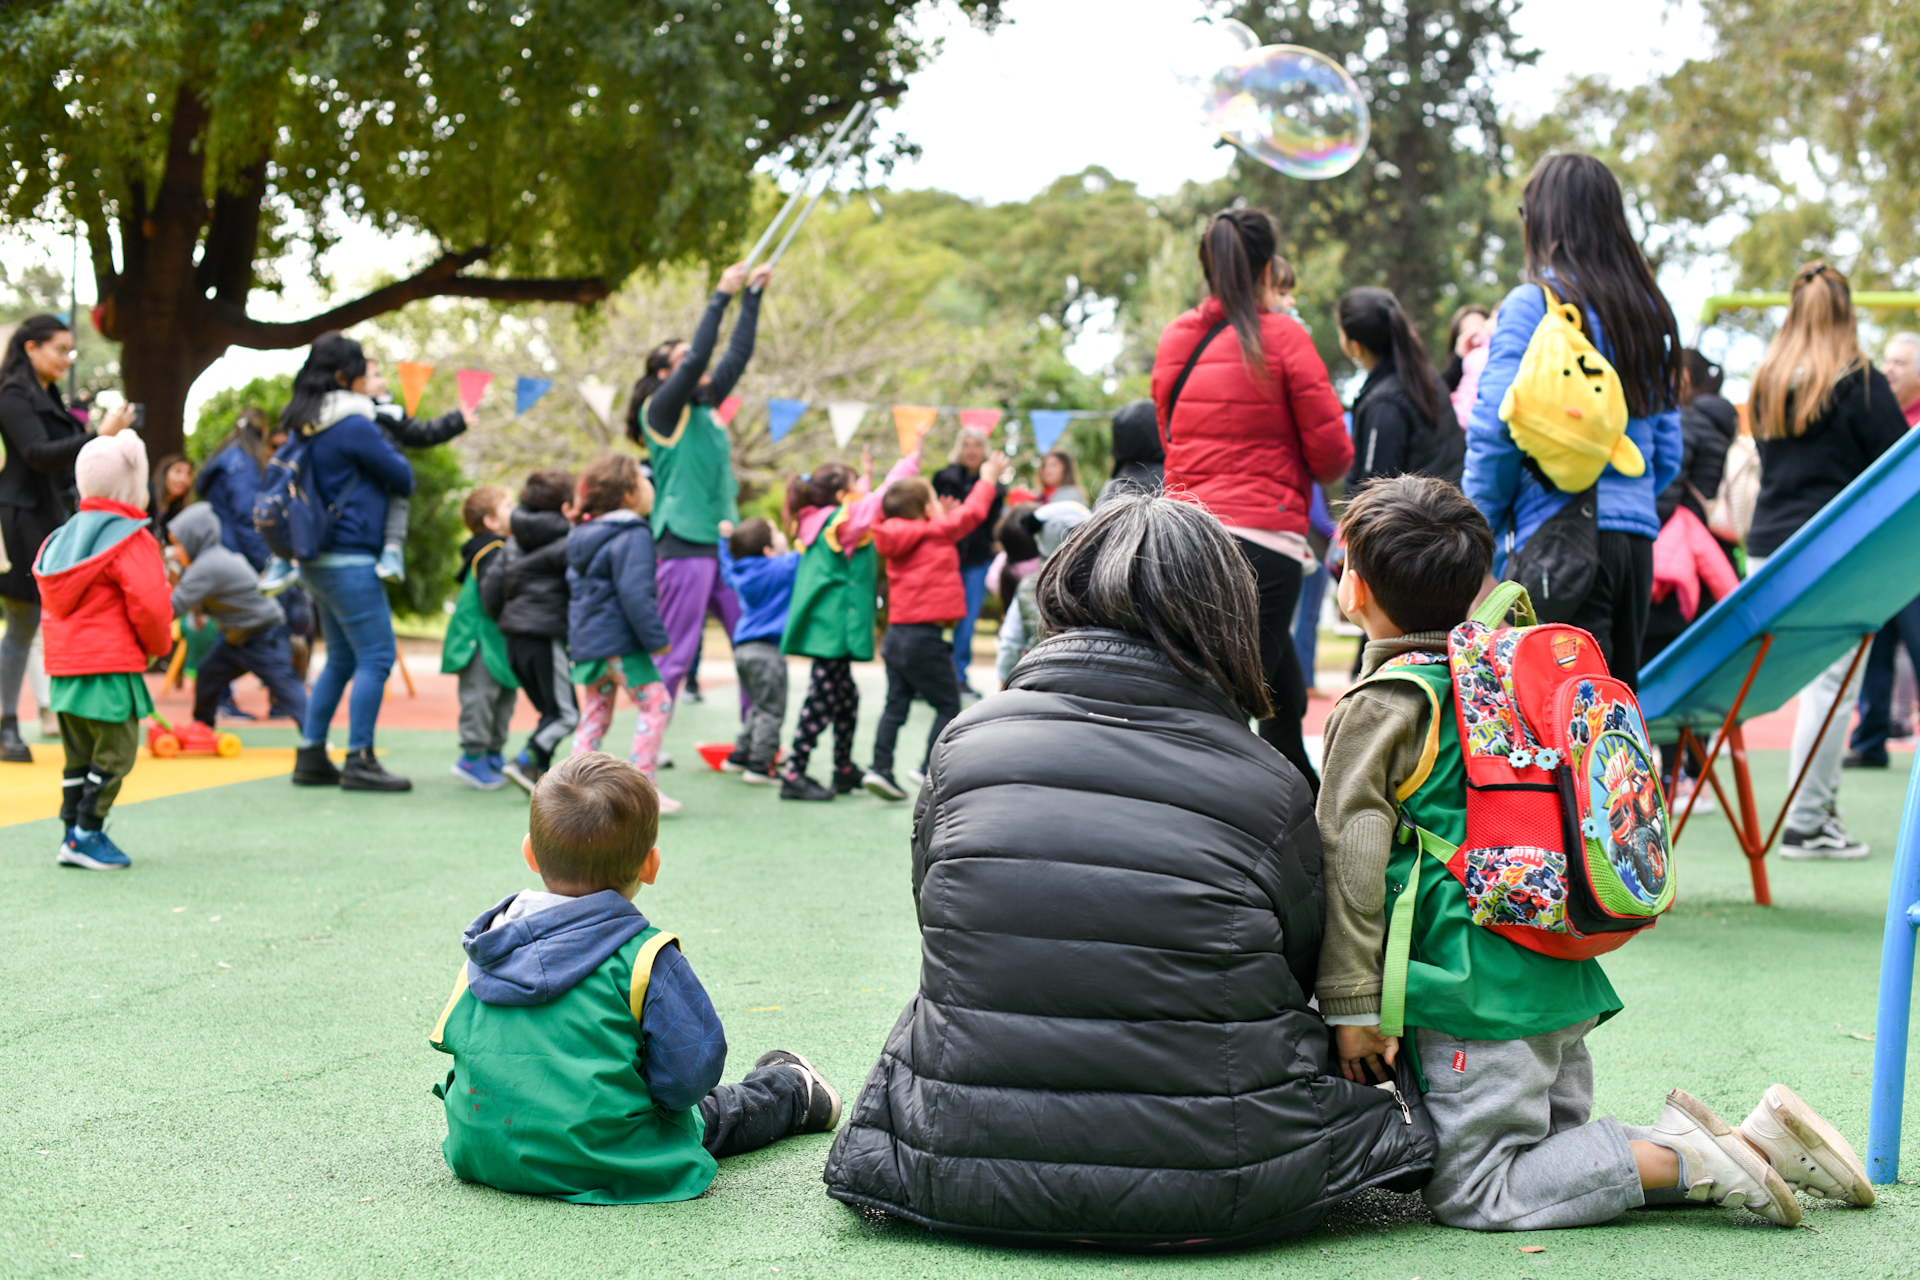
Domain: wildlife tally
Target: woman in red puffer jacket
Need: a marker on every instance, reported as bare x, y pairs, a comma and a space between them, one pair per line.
1251, 422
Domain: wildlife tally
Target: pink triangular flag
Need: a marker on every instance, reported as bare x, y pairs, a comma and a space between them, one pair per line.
473, 384
981, 420
728, 407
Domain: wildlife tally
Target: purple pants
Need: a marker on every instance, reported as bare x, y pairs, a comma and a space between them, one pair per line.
689, 589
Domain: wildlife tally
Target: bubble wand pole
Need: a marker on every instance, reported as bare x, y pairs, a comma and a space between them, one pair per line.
859, 136
860, 109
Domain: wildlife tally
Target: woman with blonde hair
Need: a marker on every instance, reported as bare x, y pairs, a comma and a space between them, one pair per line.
1821, 414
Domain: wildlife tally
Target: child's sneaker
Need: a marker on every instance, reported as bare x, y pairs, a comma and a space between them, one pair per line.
1717, 1164
475, 772
823, 1100
278, 576
391, 566
1807, 1152
92, 851
736, 763
848, 780
662, 760
798, 786
523, 773
1830, 841
497, 763
914, 777
760, 775
883, 785
667, 803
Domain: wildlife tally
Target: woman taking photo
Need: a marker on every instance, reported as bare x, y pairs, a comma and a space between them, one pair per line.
955, 481
1578, 245
1402, 423
1074, 1067
1252, 423
37, 494
1821, 414
353, 468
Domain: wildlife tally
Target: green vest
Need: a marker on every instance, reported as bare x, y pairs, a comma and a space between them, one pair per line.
1463, 978
548, 1099
694, 488
833, 598
470, 630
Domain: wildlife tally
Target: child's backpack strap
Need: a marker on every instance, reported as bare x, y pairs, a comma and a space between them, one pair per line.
1430, 751
1393, 971
643, 970
1505, 598
459, 989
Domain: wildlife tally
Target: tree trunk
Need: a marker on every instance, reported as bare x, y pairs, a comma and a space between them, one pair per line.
158, 369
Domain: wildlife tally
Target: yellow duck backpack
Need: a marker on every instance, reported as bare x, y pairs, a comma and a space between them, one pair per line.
1565, 407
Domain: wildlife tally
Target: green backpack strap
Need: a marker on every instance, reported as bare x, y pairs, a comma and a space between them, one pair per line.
1508, 596
1393, 974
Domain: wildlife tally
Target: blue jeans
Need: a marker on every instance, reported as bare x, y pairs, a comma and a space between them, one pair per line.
974, 578
1306, 620
358, 629
1876, 686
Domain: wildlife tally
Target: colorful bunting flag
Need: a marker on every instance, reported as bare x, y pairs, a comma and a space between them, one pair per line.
981, 420
846, 417
413, 381
912, 421
726, 410
1047, 426
782, 414
473, 384
599, 397
527, 393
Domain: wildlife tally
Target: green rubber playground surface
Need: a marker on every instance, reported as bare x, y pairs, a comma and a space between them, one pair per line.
216, 1064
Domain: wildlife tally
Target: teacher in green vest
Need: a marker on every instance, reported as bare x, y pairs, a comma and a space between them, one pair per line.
671, 413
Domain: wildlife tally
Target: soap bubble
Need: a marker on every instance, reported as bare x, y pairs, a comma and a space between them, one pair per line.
1196, 51
1291, 108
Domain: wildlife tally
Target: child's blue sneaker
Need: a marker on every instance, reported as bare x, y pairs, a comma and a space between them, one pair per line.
92, 851
475, 772
391, 566
278, 576
497, 763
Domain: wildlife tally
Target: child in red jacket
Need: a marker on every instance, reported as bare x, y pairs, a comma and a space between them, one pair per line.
924, 596
106, 611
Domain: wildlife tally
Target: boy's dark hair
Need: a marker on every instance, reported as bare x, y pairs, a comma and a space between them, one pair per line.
480, 504
593, 820
906, 499
548, 489
607, 481
751, 538
1422, 548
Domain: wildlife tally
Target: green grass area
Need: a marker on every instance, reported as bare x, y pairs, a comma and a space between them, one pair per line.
216, 1064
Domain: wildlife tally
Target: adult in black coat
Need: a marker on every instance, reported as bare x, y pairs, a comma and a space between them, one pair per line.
1402, 423
1139, 457
955, 481
37, 492
1120, 903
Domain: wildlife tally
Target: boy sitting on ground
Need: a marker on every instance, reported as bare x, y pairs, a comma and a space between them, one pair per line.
254, 638
587, 1056
1498, 1030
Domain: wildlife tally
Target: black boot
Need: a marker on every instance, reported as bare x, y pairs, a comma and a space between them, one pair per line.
86, 806
72, 783
363, 773
313, 768
13, 749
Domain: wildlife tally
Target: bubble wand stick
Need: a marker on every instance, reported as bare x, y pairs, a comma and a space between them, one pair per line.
831, 151
859, 136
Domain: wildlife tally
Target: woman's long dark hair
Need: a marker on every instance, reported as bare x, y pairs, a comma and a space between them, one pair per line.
1375, 319
1237, 246
249, 435
333, 362
659, 362
18, 366
1704, 377
1575, 226
161, 504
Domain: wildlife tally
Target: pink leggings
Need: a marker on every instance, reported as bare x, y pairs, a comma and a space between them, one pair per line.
596, 713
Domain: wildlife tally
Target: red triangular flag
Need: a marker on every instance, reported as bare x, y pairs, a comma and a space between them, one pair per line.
728, 407
472, 384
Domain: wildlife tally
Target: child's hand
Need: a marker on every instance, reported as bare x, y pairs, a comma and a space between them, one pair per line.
994, 467
1366, 1056
949, 505
726, 528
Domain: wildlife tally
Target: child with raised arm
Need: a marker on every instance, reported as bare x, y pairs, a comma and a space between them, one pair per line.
586, 1054
1498, 1031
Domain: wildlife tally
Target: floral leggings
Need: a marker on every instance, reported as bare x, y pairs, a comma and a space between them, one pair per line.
832, 699
596, 713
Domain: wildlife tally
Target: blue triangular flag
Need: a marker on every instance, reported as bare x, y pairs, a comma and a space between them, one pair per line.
527, 393
1047, 426
782, 414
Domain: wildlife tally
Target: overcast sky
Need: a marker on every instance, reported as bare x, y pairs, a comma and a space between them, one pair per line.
1064, 84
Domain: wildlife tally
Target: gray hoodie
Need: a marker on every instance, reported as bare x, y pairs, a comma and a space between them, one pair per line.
218, 580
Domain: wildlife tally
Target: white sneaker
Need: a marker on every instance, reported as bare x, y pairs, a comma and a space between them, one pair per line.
667, 803
1807, 1152
1830, 841
1717, 1165
1704, 804
661, 760
914, 777
278, 576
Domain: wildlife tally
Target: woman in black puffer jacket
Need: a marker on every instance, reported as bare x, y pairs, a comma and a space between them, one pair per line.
1120, 909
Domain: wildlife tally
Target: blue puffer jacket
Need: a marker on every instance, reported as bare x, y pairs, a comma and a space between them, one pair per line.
1515, 503
347, 447
230, 482
613, 610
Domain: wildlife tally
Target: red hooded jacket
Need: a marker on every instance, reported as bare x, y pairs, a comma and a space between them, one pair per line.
1250, 452
923, 560
104, 602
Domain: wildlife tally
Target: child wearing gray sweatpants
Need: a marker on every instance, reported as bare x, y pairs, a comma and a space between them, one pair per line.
1498, 1031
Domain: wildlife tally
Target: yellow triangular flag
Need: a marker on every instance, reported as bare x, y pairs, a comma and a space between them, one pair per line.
413, 381
912, 421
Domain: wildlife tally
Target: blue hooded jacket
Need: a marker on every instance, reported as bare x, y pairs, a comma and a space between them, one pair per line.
764, 585
548, 952
612, 610
230, 482
355, 467
1515, 503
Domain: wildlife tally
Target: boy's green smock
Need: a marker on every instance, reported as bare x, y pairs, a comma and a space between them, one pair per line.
693, 481
833, 598
470, 630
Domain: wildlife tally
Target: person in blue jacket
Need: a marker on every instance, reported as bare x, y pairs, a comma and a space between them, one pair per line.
231, 480
353, 470
1578, 244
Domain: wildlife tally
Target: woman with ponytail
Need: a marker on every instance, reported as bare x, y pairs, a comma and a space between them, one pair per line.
1402, 422
1250, 423
671, 414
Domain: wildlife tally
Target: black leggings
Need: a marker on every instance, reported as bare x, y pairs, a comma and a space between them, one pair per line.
1279, 576
832, 699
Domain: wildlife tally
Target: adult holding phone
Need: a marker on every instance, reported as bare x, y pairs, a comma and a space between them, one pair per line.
37, 493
